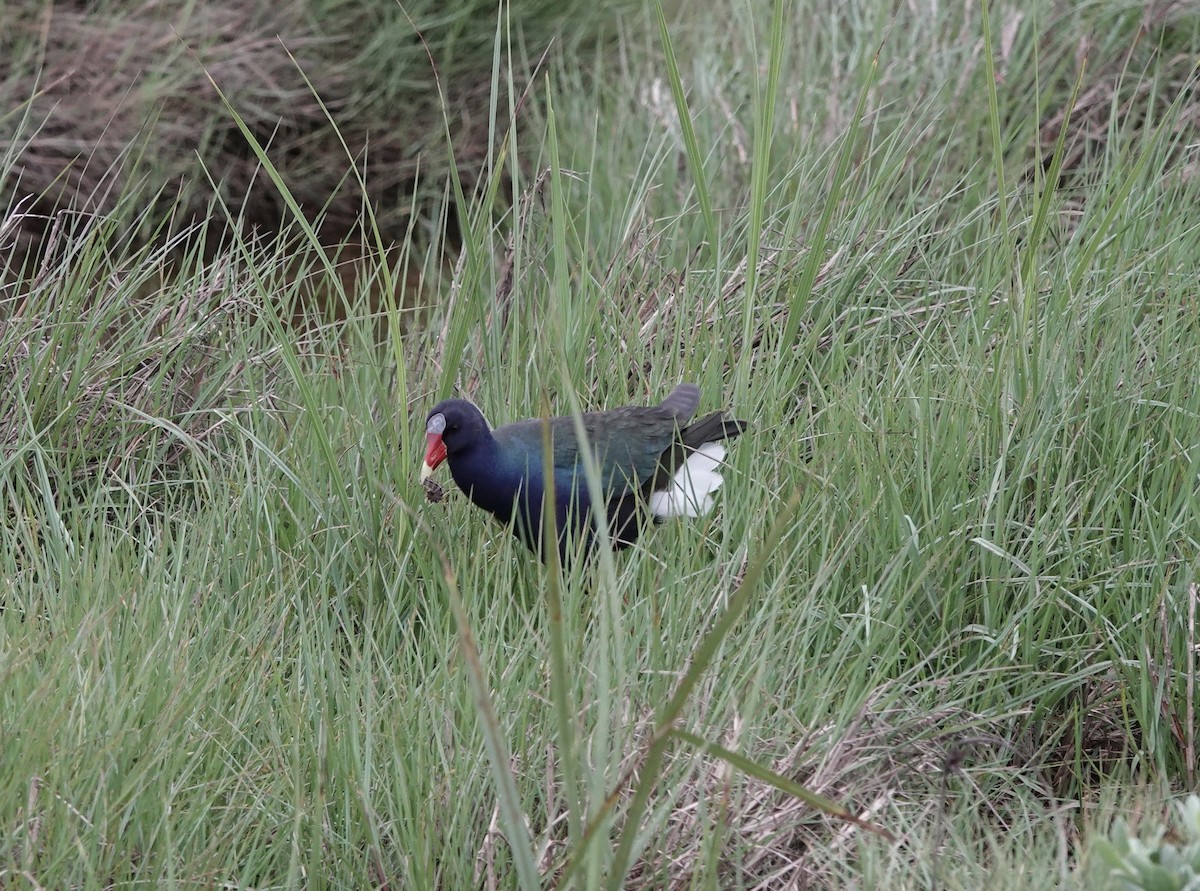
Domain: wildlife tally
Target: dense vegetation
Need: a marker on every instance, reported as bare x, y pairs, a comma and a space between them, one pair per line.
943, 259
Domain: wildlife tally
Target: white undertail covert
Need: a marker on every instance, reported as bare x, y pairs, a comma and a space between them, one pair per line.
691, 491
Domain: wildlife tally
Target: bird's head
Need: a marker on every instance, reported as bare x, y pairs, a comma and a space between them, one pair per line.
453, 426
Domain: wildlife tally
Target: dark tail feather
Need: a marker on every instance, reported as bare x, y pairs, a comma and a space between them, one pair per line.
711, 428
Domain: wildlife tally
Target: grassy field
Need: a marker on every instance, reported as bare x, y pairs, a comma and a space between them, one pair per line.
943, 262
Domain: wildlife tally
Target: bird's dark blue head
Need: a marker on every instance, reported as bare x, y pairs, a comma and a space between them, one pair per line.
454, 426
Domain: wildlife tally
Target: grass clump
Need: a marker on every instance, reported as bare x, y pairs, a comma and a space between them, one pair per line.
105, 102
1168, 859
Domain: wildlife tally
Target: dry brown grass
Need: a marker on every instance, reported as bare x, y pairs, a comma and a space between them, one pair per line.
130, 97
888, 760
1115, 96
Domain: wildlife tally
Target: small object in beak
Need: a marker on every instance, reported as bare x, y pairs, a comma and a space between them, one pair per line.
434, 493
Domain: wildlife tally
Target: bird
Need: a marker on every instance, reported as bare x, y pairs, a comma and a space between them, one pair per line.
652, 464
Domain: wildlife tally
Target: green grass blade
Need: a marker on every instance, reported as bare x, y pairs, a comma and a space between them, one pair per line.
690, 143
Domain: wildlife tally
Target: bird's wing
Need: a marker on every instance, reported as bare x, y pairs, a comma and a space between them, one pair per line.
632, 442
627, 444
682, 402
